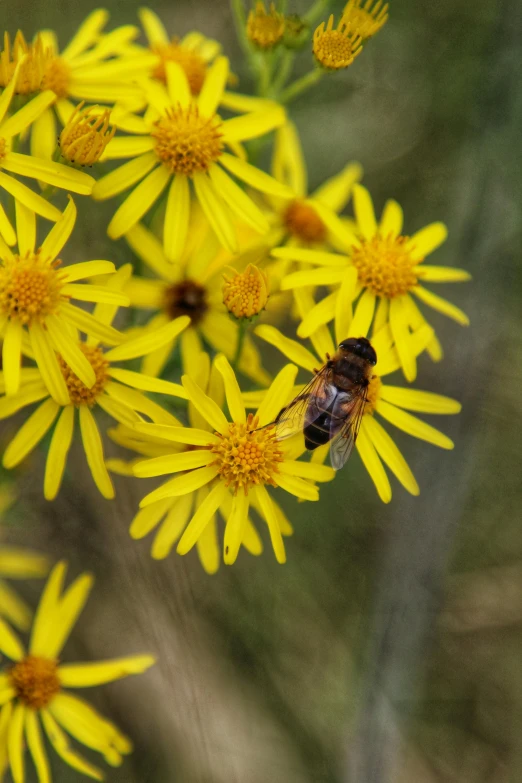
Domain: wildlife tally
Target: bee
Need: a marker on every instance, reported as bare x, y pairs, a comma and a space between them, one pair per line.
331, 406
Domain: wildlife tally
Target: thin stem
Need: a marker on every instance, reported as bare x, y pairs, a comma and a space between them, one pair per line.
301, 85
238, 12
241, 334
285, 66
264, 75
316, 10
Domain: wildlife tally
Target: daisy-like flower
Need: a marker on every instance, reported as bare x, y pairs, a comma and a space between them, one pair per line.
80, 72
265, 30
336, 48
234, 461
374, 444
193, 288
116, 390
52, 173
85, 136
365, 20
36, 315
380, 269
168, 517
181, 140
33, 688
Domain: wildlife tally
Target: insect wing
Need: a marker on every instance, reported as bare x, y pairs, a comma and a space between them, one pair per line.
304, 409
345, 437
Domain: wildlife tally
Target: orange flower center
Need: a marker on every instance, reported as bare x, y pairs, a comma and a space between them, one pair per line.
186, 142
192, 63
385, 266
36, 681
265, 29
186, 298
246, 456
303, 222
78, 391
57, 77
30, 287
245, 294
84, 138
335, 49
372, 394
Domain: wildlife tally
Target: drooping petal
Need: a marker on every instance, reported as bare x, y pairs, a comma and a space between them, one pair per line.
412, 425
216, 211
232, 390
364, 212
30, 433
401, 337
124, 176
58, 450
267, 510
138, 202
177, 216
92, 444
15, 743
373, 464
290, 348
48, 365
201, 518
60, 743
86, 675
235, 526
209, 409
390, 454
174, 523
36, 747
12, 356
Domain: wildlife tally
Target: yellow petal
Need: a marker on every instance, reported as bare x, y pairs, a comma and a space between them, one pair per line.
238, 201
297, 486
401, 337
14, 609
153, 27
15, 743
48, 365
87, 269
288, 164
427, 240
86, 675
213, 87
307, 470
232, 390
25, 116
189, 435
30, 433
50, 172
254, 176
124, 176
36, 747
181, 485
208, 548
319, 257
70, 351
86, 323
390, 454
421, 401
441, 305
373, 464
178, 87
322, 313
25, 228
128, 147
216, 211
58, 450
343, 304
413, 426
10, 644
139, 380
43, 135
148, 248
177, 214
363, 315
209, 409
251, 126
61, 745
201, 518
67, 612
139, 346
8, 91
441, 274
268, 512
60, 233
147, 518
336, 191
29, 198
87, 34
92, 444
277, 395
12, 356
235, 527
290, 348
313, 277
174, 523
6, 229
173, 463
138, 202
136, 401
364, 212
391, 219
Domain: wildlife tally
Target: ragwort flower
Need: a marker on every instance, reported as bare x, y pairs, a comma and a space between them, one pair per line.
181, 140
36, 315
380, 269
193, 288
234, 462
336, 48
365, 21
33, 688
116, 390
374, 444
265, 30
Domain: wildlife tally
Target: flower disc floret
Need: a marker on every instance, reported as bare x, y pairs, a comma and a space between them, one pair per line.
57, 77
186, 142
385, 266
192, 63
85, 137
246, 456
79, 393
303, 222
245, 294
3, 149
35, 680
186, 298
30, 287
265, 30
335, 49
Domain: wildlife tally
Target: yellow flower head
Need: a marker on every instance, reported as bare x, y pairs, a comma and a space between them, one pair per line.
182, 141
85, 136
379, 272
375, 447
17, 563
233, 461
36, 58
116, 391
365, 21
336, 49
34, 686
265, 30
245, 294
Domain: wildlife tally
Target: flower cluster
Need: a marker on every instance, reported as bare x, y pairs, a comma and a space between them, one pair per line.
170, 345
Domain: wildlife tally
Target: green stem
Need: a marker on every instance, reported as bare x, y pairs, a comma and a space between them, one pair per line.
241, 334
316, 10
285, 66
238, 12
48, 192
264, 75
57, 154
301, 85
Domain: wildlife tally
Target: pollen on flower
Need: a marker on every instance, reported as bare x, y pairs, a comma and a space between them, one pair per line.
79, 393
265, 30
246, 456
385, 266
186, 142
186, 298
372, 394
192, 63
303, 222
365, 21
57, 77
335, 49
35, 680
245, 294
85, 137
33, 68
30, 287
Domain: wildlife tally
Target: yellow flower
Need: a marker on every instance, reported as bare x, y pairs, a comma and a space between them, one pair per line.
85, 137
182, 140
33, 688
245, 294
265, 30
336, 49
36, 315
232, 463
54, 174
169, 516
116, 391
86, 70
380, 269
191, 288
365, 21
373, 443
193, 52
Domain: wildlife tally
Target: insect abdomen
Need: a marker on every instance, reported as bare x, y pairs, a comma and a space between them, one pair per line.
318, 433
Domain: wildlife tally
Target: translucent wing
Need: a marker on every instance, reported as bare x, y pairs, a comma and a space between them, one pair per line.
344, 437
304, 409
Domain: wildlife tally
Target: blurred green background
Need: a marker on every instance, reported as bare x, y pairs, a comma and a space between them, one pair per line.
389, 647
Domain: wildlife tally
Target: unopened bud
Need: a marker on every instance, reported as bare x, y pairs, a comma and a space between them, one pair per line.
245, 294
84, 138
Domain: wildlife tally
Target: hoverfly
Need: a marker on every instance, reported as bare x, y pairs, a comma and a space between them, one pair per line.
331, 406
